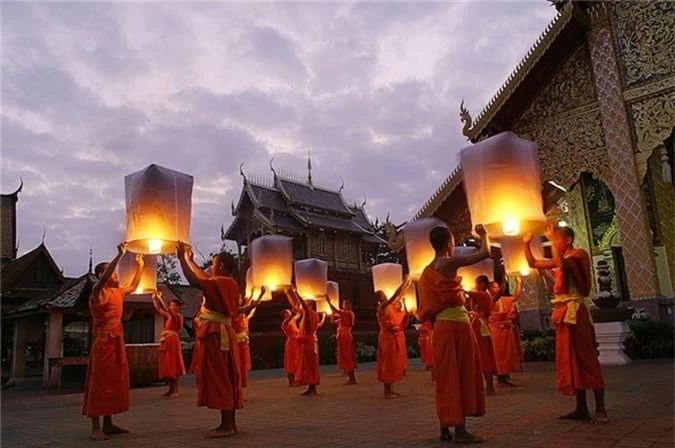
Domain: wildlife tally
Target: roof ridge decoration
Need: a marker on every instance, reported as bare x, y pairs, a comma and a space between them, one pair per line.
473, 128
448, 185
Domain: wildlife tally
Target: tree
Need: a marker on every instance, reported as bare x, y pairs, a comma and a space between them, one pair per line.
167, 270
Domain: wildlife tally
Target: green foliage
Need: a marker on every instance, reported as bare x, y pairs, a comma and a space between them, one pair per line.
257, 362
539, 348
649, 340
365, 352
414, 350
167, 270
328, 350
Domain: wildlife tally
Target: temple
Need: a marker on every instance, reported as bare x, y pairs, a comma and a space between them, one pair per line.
596, 92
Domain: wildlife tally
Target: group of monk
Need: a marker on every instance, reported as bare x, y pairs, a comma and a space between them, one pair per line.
463, 344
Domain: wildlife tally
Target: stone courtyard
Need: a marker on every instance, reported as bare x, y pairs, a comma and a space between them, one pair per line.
639, 402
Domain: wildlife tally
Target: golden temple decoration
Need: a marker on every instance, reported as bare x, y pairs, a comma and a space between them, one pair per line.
653, 120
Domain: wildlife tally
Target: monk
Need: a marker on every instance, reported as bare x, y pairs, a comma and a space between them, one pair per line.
197, 350
219, 384
424, 340
392, 351
481, 305
346, 351
106, 390
308, 373
240, 325
289, 326
459, 387
171, 365
505, 337
577, 365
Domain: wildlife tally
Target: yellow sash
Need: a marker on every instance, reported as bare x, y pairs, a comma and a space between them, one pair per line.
167, 333
455, 314
218, 318
572, 302
242, 337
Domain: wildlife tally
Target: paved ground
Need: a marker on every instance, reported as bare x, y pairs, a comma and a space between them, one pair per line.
639, 400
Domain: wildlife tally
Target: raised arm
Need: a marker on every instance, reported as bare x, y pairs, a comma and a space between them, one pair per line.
535, 263
160, 305
450, 265
140, 262
323, 320
398, 294
96, 290
192, 278
519, 288
332, 307
198, 271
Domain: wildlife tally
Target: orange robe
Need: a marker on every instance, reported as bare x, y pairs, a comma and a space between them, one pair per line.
171, 365
425, 339
346, 353
577, 365
291, 348
507, 355
106, 389
392, 351
308, 373
240, 325
480, 322
219, 384
197, 350
460, 391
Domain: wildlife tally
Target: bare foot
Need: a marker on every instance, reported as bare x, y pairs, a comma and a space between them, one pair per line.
166, 394
310, 393
112, 429
576, 415
467, 437
174, 395
506, 383
446, 435
98, 435
600, 418
349, 383
392, 395
219, 432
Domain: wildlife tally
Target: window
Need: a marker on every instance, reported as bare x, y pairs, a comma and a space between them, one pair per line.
322, 245
140, 329
76, 338
348, 248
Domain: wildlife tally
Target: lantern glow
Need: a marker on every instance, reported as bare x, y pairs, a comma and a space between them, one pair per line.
418, 250
272, 261
410, 298
503, 185
159, 209
127, 270
387, 277
513, 252
470, 273
311, 278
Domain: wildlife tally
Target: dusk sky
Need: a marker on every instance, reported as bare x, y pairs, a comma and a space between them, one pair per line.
92, 92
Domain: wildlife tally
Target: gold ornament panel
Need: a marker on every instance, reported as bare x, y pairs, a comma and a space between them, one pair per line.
664, 205
653, 120
645, 38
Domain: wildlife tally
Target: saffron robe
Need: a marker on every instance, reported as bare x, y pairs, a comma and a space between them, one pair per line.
197, 349
308, 374
171, 365
291, 347
219, 384
460, 391
480, 322
392, 351
106, 390
240, 325
425, 340
507, 355
577, 365
346, 352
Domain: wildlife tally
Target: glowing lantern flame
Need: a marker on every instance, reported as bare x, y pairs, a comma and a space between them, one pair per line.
511, 227
387, 277
418, 250
155, 246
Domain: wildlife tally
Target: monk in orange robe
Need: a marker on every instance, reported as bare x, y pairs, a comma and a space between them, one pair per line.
197, 349
219, 384
481, 305
459, 386
505, 337
392, 351
308, 373
240, 324
577, 365
346, 351
424, 340
171, 365
106, 390
289, 326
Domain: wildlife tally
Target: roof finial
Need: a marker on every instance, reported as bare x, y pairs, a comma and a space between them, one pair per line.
222, 232
91, 260
232, 207
363, 204
342, 184
241, 171
272, 167
44, 234
309, 167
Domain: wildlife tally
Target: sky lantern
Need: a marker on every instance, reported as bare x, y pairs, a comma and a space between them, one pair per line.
470, 273
311, 278
418, 250
127, 270
253, 291
513, 252
410, 298
333, 292
387, 277
159, 208
503, 185
272, 261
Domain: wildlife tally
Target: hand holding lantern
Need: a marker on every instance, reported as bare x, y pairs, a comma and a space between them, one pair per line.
528, 237
122, 248
140, 261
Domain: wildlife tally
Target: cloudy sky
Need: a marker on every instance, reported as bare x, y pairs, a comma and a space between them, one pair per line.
92, 92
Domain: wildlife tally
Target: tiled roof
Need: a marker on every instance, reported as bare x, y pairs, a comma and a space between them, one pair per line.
269, 197
72, 295
314, 196
14, 269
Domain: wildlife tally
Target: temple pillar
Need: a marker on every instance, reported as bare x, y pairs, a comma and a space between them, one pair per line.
631, 210
18, 369
53, 345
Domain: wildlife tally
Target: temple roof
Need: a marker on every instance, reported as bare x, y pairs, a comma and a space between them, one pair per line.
73, 295
14, 269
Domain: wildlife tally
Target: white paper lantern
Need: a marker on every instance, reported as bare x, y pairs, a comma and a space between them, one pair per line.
159, 208
410, 298
253, 291
333, 289
387, 277
127, 271
513, 252
503, 185
311, 278
322, 306
272, 261
418, 250
470, 273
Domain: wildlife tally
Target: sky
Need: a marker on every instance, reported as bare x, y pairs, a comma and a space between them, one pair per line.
92, 92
